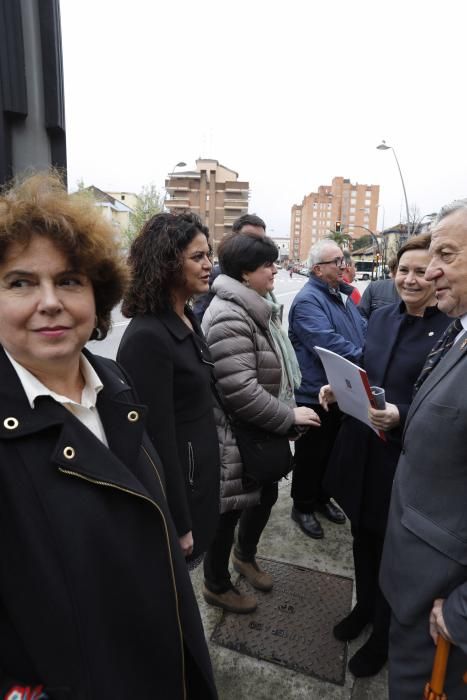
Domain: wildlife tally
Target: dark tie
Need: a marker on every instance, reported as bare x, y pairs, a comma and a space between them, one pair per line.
439, 350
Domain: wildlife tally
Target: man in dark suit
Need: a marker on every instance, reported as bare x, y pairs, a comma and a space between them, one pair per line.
424, 566
379, 292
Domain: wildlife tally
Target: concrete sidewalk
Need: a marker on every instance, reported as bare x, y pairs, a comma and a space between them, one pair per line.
240, 677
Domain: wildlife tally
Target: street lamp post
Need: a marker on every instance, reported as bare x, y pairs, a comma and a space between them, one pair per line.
384, 147
180, 164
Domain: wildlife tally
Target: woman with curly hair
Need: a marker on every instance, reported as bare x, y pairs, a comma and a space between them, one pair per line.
164, 352
95, 598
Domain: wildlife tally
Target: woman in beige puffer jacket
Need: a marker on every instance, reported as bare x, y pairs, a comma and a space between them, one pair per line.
254, 368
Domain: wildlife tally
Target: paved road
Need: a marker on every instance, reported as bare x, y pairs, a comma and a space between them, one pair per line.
285, 290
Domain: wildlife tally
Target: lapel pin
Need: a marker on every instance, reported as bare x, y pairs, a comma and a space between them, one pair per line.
463, 344
431, 333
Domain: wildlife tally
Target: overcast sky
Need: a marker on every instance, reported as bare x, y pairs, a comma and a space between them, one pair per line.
288, 94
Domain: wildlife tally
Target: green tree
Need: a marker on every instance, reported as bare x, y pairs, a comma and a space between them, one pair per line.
340, 238
150, 202
362, 242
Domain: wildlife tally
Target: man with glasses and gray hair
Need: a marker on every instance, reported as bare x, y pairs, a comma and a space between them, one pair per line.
323, 314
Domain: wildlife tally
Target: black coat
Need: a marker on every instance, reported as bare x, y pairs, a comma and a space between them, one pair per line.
95, 600
171, 370
361, 468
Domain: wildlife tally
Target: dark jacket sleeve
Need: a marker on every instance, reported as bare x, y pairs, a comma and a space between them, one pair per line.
403, 409
147, 358
455, 615
364, 305
313, 327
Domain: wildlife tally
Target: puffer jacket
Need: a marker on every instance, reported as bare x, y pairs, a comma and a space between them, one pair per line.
248, 372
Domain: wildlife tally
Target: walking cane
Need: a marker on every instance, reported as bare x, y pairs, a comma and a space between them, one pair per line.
434, 689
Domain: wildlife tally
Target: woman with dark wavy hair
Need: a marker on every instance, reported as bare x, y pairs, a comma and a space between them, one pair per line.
164, 352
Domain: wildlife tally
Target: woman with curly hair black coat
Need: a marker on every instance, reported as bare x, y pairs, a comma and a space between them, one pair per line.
95, 598
164, 352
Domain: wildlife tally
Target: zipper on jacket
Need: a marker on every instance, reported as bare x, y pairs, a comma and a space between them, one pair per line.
155, 469
109, 484
191, 465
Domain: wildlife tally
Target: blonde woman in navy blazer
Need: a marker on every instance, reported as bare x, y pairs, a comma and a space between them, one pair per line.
362, 466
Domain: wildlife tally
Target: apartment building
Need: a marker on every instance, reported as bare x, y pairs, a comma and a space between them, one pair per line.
116, 206
351, 207
129, 199
296, 232
212, 191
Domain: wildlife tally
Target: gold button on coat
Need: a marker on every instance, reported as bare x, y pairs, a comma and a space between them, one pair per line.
68, 452
133, 416
10, 423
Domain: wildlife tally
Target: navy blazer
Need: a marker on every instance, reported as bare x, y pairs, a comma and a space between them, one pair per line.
95, 599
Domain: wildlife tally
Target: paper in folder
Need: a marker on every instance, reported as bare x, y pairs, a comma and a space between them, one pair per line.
350, 386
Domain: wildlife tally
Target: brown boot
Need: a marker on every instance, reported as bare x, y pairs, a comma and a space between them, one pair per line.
250, 570
231, 600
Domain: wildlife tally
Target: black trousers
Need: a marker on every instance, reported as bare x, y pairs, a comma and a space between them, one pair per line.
367, 552
252, 523
312, 452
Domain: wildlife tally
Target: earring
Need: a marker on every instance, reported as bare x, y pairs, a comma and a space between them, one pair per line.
96, 333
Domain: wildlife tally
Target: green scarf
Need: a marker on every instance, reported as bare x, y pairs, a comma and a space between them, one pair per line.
291, 375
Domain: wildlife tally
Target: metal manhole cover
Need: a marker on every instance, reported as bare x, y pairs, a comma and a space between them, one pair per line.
292, 625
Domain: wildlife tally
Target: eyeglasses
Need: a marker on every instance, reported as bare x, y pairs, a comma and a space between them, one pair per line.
338, 262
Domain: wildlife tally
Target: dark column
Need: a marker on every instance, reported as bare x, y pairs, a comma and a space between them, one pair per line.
32, 106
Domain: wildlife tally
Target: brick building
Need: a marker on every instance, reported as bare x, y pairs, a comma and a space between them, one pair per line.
212, 191
353, 207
